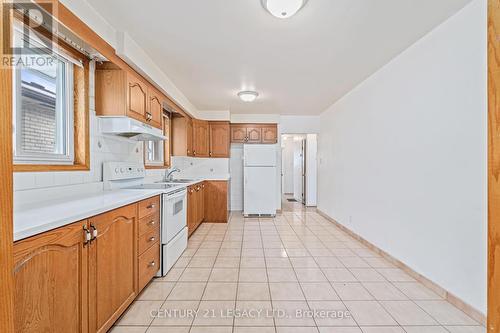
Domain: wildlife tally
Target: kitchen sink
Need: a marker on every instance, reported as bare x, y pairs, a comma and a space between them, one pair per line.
178, 181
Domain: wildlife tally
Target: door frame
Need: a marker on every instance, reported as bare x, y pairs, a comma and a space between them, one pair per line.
6, 190
493, 307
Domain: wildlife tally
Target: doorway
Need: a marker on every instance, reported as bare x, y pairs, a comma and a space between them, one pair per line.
298, 171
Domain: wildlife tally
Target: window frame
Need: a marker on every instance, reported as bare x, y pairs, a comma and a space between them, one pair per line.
81, 113
165, 164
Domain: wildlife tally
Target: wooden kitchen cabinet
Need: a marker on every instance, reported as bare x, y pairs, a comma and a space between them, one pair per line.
155, 107
122, 93
50, 281
81, 277
195, 206
216, 201
238, 133
112, 266
219, 139
269, 134
200, 138
254, 133
182, 136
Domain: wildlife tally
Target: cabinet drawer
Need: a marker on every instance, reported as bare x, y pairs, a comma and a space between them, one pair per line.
148, 239
149, 263
149, 223
149, 206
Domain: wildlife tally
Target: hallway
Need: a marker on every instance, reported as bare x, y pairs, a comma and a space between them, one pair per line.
269, 275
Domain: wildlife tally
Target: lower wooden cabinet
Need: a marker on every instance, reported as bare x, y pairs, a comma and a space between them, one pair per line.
195, 206
207, 201
216, 198
51, 274
82, 277
112, 266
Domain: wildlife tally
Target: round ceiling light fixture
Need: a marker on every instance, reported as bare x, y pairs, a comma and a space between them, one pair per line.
248, 96
283, 8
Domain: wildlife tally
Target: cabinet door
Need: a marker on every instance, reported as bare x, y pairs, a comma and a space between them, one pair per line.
201, 138
254, 134
201, 203
238, 133
269, 134
216, 198
154, 115
219, 139
50, 281
189, 137
137, 98
112, 266
191, 209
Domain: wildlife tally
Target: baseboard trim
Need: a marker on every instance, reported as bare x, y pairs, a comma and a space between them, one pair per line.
456, 301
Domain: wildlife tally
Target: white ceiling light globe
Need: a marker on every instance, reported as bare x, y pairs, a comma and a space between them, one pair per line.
283, 8
248, 96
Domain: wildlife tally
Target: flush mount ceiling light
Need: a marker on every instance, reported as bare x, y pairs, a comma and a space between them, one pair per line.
248, 96
283, 8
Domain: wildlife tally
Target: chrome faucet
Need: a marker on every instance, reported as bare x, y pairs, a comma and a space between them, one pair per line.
168, 174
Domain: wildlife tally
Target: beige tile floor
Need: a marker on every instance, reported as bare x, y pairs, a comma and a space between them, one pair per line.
294, 273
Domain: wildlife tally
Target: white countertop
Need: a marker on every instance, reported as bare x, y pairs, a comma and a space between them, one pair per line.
35, 218
53, 214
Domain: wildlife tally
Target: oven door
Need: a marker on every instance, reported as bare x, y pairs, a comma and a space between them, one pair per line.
174, 215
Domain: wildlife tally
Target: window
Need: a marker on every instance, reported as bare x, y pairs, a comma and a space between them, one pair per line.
43, 115
157, 153
50, 105
154, 153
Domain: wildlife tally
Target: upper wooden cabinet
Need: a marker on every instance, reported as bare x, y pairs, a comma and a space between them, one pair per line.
122, 93
50, 281
254, 133
238, 133
269, 134
155, 107
182, 136
200, 138
219, 139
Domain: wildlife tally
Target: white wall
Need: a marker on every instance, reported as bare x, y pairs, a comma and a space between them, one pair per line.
403, 157
311, 169
287, 165
299, 124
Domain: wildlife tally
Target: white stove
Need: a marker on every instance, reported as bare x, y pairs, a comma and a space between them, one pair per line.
173, 224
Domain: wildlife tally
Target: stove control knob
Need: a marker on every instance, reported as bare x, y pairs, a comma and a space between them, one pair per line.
121, 170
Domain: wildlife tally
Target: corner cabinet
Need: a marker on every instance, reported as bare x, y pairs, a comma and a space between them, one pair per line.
81, 277
122, 93
254, 133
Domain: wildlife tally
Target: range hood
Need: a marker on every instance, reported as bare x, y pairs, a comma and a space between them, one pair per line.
130, 128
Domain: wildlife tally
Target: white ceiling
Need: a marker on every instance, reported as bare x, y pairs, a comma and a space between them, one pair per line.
211, 49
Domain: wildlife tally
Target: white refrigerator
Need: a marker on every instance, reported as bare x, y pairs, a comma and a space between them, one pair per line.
259, 179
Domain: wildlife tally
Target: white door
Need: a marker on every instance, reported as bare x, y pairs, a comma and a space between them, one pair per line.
260, 191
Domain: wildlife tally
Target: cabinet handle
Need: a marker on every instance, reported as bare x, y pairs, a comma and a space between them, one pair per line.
152, 264
194, 152
93, 231
151, 206
152, 222
87, 235
152, 239
210, 154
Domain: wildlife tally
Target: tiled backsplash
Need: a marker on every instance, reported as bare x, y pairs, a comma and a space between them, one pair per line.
192, 167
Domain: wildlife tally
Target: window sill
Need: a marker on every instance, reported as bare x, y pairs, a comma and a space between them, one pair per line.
49, 167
